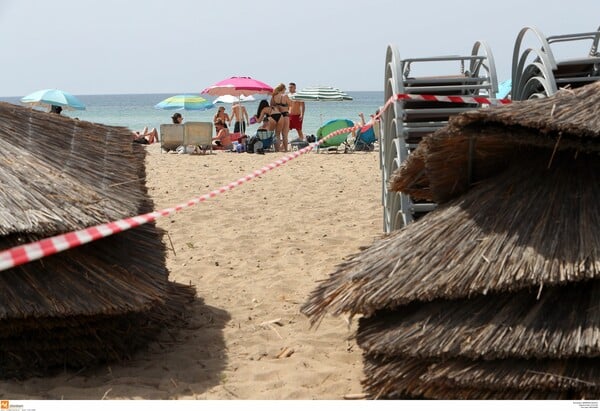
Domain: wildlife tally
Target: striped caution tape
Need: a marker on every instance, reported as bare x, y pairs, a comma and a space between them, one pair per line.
22, 254
446, 99
453, 99
26, 253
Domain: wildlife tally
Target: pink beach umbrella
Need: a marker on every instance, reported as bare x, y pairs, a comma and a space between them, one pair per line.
237, 86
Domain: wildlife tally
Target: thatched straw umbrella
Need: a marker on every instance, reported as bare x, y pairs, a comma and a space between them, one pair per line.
96, 302
495, 293
461, 379
493, 238
512, 232
561, 322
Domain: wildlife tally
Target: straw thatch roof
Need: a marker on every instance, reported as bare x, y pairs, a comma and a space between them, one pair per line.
527, 227
397, 377
53, 344
560, 322
476, 144
59, 174
125, 272
96, 302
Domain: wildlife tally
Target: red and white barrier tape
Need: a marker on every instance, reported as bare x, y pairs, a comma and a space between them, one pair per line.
446, 99
26, 253
452, 99
22, 254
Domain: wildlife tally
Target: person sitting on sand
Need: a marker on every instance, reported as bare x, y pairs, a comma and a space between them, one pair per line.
222, 139
145, 136
177, 118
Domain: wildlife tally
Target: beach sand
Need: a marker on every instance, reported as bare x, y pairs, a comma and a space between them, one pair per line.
253, 254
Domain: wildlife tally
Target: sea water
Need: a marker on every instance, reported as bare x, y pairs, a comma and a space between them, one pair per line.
136, 111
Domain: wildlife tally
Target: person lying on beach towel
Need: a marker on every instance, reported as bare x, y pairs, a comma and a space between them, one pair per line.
145, 136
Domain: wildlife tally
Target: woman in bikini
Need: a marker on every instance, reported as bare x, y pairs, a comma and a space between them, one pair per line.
221, 114
264, 110
280, 103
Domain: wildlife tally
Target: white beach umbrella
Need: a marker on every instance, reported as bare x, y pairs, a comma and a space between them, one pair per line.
229, 99
322, 93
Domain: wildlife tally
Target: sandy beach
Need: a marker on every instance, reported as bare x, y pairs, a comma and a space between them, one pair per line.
253, 254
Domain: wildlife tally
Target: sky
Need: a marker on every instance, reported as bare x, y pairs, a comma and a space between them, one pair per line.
183, 46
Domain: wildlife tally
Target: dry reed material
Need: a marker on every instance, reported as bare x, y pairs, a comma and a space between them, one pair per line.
447, 167
95, 303
398, 377
92, 340
59, 174
561, 322
412, 175
527, 227
572, 112
122, 273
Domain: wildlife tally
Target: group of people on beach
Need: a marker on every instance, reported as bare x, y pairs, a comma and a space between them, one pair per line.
283, 114
280, 114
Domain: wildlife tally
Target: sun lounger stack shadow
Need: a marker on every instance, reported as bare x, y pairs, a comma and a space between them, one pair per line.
95, 303
495, 293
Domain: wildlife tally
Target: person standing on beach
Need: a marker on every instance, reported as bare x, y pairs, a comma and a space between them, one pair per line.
221, 114
297, 110
239, 115
280, 103
264, 112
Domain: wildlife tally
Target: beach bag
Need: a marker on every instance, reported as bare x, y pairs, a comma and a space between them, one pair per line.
311, 138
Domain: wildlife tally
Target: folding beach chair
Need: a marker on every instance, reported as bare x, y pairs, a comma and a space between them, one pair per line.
267, 138
365, 138
333, 143
261, 141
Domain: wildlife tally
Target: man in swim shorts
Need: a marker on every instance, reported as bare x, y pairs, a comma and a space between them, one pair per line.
296, 113
239, 116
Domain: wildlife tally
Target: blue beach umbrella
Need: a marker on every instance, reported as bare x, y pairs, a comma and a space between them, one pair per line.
184, 102
53, 97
